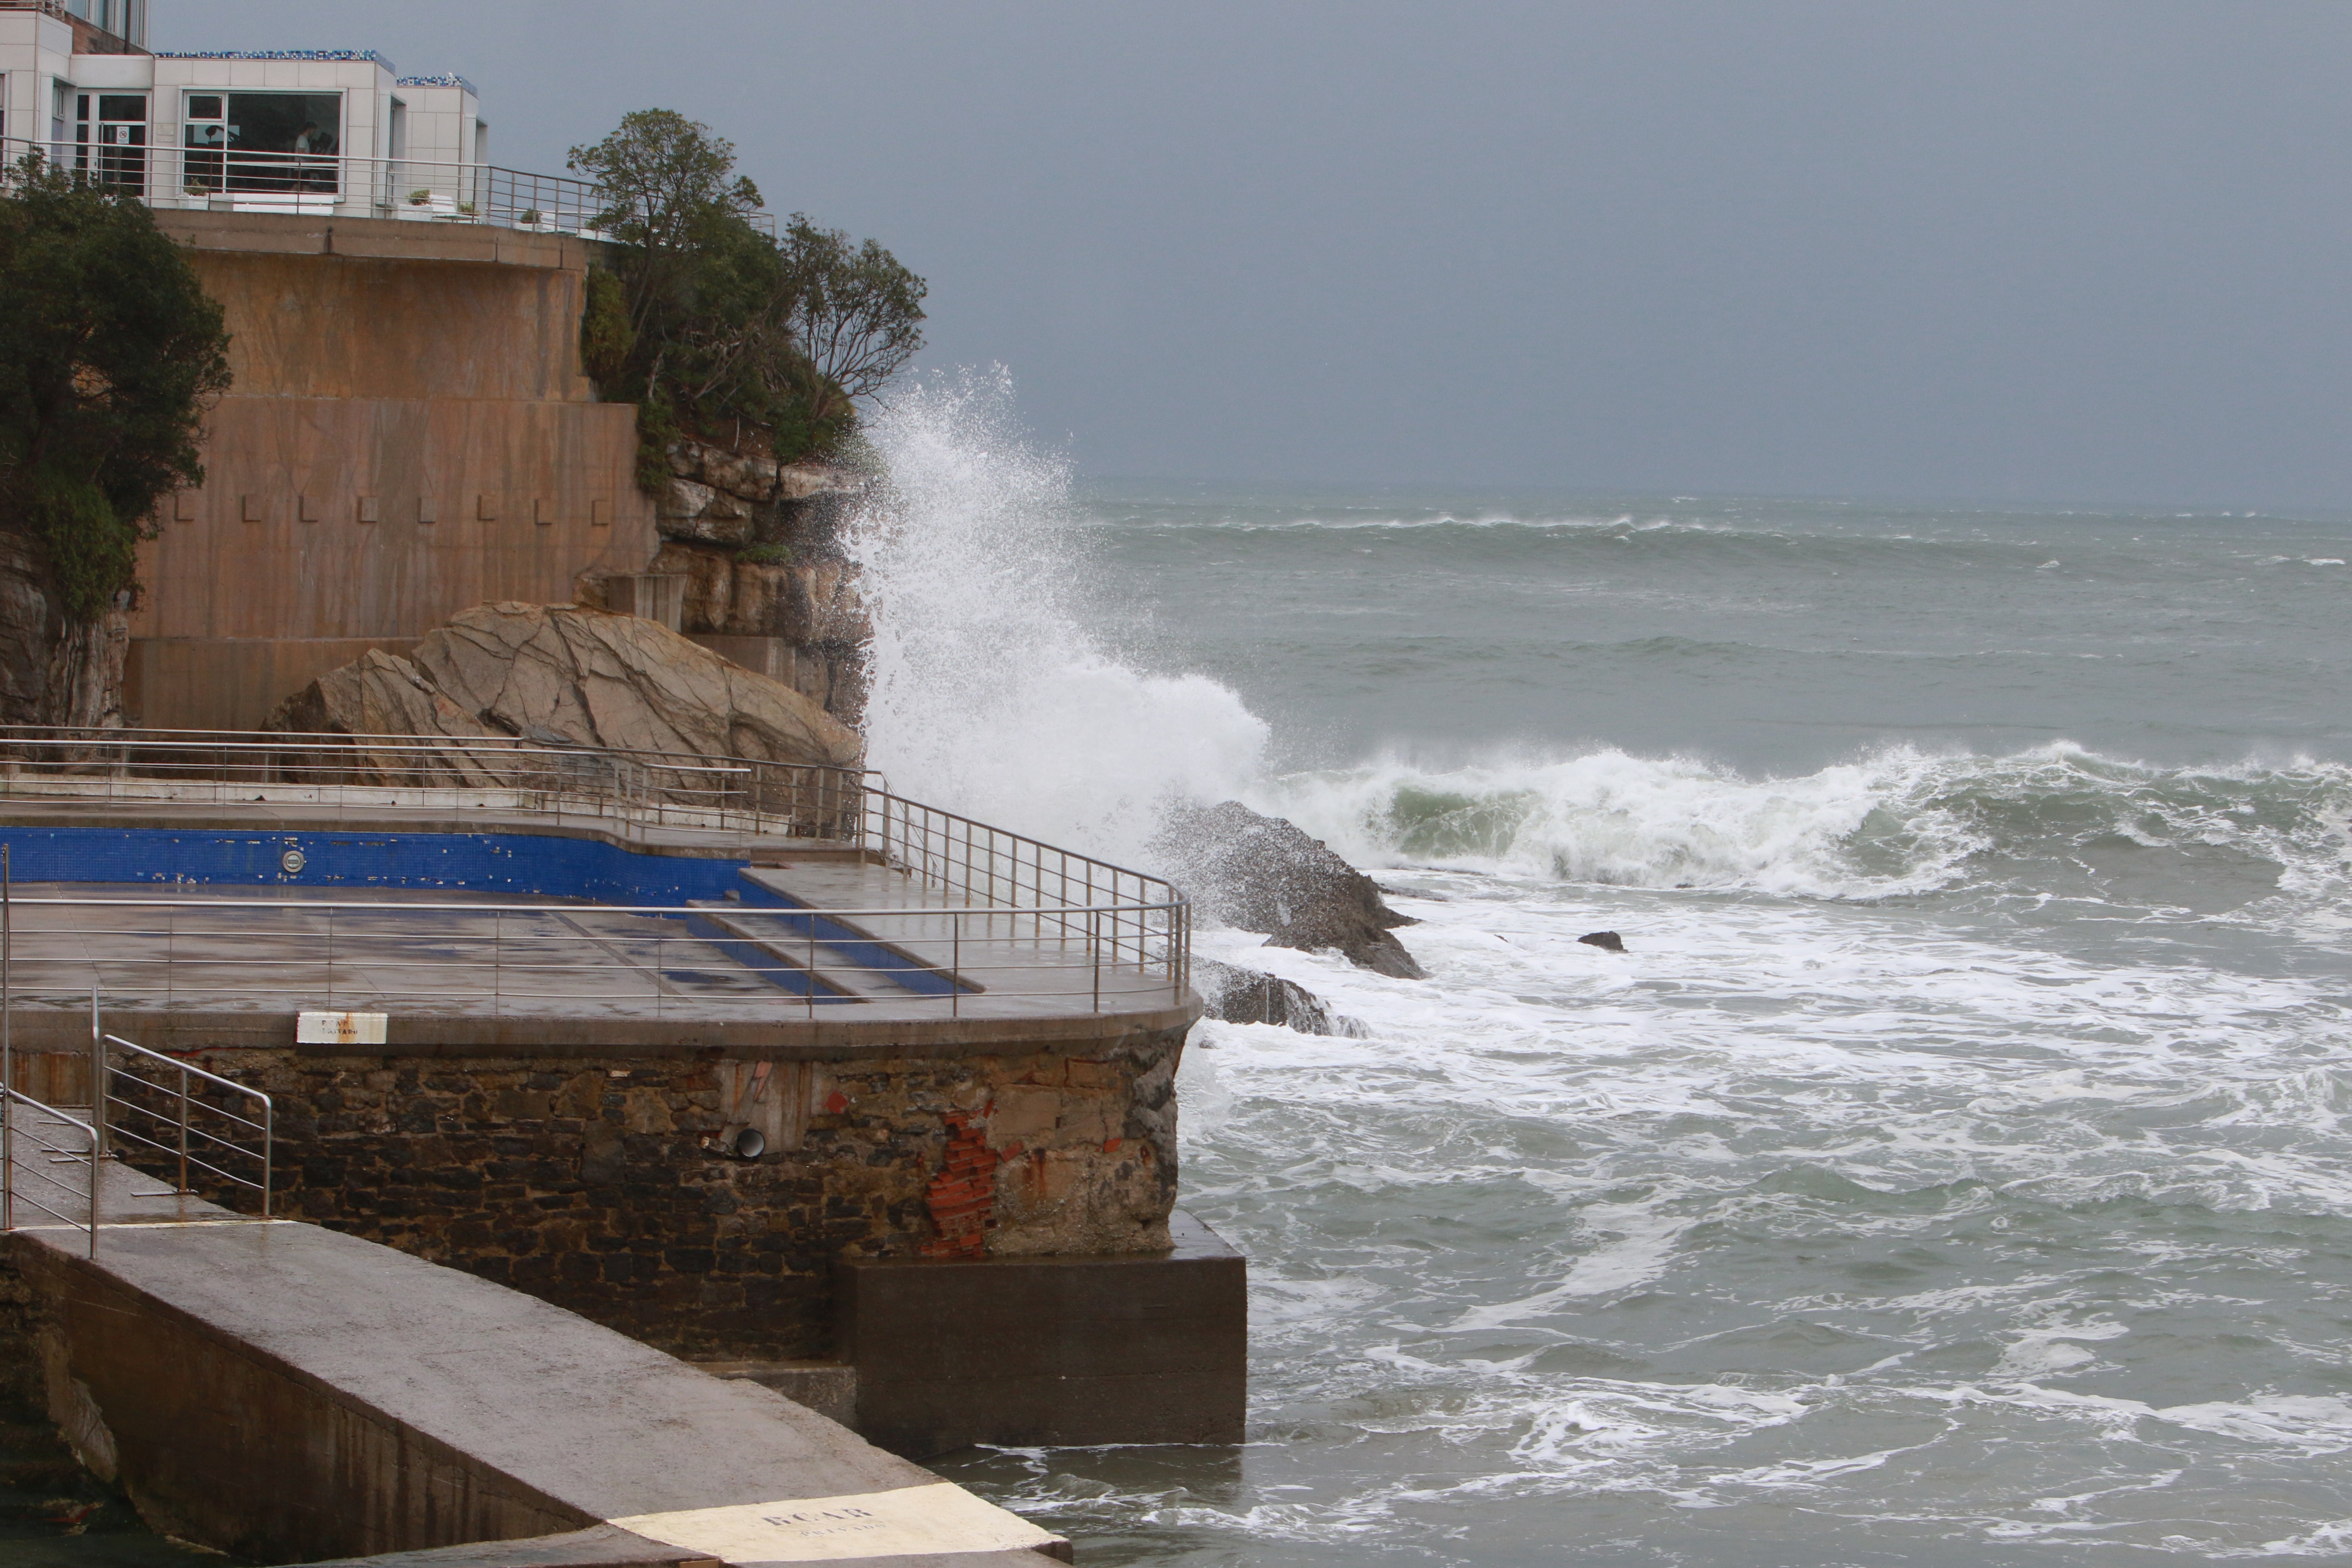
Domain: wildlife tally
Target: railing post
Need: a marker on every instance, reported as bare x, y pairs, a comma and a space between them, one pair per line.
97, 1089
7, 1048
184, 1188
955, 963
1094, 952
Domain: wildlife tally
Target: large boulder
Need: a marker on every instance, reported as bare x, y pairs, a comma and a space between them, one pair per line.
566, 674
1262, 873
1234, 995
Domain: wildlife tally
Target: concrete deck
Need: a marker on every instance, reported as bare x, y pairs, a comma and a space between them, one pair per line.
281, 1391
885, 947
890, 949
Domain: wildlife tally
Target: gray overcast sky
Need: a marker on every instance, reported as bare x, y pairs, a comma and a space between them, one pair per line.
2089, 249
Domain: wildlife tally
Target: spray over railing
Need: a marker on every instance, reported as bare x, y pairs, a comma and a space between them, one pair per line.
234, 179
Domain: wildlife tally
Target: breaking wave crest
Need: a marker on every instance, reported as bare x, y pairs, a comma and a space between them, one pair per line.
2058, 820
995, 693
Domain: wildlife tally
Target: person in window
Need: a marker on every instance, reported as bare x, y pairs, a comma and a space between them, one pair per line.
206, 143
312, 147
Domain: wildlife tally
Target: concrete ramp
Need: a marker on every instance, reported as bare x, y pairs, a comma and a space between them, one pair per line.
288, 1393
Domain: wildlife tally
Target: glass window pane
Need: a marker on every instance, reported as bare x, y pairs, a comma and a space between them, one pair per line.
204, 106
277, 121
283, 142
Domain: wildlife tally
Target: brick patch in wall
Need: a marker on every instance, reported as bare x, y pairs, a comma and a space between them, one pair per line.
962, 1196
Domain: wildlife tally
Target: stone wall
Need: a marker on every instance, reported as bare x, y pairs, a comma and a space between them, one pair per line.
596, 1181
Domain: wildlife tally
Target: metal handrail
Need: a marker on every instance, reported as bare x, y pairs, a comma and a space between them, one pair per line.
187, 1106
939, 848
921, 960
1120, 915
11, 1165
801, 800
234, 179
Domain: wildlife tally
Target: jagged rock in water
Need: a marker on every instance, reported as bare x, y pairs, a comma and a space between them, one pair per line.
561, 673
1606, 940
1238, 995
1261, 873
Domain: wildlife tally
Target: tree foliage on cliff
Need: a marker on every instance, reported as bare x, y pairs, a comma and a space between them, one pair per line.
858, 312
109, 353
717, 330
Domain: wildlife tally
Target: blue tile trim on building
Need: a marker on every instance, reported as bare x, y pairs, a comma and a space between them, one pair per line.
445, 78
320, 56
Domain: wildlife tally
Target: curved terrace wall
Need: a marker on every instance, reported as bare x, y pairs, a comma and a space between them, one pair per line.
581, 1157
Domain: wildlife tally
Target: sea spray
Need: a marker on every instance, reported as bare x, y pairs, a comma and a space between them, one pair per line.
996, 691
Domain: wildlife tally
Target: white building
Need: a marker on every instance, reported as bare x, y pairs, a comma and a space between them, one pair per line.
329, 131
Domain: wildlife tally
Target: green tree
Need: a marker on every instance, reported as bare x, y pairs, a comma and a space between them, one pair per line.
109, 354
856, 310
716, 330
668, 187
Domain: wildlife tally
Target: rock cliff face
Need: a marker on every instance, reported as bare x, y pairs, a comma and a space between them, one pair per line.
52, 671
562, 673
759, 544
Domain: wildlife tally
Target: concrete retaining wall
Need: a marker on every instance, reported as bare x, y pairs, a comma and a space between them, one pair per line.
409, 434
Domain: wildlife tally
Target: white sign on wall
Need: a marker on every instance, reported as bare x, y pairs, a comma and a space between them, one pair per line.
340, 1028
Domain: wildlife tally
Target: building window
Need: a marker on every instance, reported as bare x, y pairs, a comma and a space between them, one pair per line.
110, 139
264, 142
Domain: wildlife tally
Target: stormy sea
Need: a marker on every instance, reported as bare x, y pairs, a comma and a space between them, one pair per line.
1953, 1168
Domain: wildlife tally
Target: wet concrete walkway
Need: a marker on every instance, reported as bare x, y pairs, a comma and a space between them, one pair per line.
887, 947
285, 1391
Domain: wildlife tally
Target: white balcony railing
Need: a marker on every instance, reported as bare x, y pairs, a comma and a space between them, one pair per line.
231, 179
